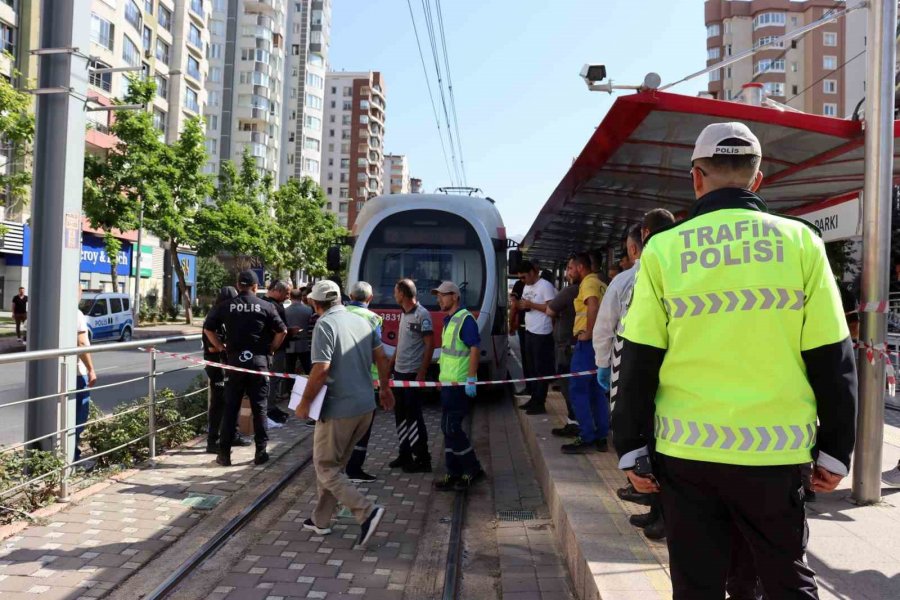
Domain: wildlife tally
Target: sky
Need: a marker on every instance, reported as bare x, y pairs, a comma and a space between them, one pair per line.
524, 114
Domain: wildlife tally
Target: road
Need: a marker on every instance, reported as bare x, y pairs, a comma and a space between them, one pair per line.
111, 367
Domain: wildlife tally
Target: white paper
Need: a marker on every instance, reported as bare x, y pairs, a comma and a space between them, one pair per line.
297, 394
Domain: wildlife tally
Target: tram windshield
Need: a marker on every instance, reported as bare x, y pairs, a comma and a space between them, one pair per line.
428, 246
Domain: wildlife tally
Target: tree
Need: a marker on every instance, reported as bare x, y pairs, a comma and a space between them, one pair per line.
116, 184
16, 137
303, 229
211, 277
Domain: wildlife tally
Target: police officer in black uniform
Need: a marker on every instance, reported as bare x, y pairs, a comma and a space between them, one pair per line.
254, 331
217, 378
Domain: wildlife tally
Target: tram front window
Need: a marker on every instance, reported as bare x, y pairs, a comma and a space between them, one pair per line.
428, 247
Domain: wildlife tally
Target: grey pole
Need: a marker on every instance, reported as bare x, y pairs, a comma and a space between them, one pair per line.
137, 266
879, 154
56, 214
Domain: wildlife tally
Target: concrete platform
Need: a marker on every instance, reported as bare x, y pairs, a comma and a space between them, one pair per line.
854, 550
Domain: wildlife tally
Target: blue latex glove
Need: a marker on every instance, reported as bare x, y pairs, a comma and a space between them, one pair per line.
470, 386
603, 375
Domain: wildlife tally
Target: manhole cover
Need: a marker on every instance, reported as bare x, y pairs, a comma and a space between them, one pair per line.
202, 501
516, 515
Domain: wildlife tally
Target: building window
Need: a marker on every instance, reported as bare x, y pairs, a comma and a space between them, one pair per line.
311, 122
102, 32
313, 101
311, 166
829, 86
794, 89
212, 123
793, 67
217, 27
345, 119
197, 7
348, 105
148, 7
344, 193
194, 37
133, 14
713, 53
191, 100
345, 163
102, 81
295, 49
210, 147
829, 109
348, 91
311, 144
769, 66
774, 89
193, 67
715, 75
159, 120
769, 40
214, 98
162, 51
727, 72
315, 37
315, 60
713, 30
345, 134
315, 81
775, 19
147, 38
215, 50
162, 86
345, 148
727, 49
215, 74
829, 38
829, 62
130, 52
164, 18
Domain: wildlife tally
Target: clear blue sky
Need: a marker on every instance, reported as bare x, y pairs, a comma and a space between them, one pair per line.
524, 113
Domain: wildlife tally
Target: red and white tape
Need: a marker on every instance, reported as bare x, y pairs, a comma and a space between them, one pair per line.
394, 383
875, 351
873, 307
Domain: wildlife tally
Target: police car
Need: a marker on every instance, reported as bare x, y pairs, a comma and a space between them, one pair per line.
108, 316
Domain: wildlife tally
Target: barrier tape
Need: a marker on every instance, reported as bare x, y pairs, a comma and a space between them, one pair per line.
874, 307
394, 383
875, 351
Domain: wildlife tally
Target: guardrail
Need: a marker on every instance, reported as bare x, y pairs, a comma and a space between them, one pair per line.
66, 434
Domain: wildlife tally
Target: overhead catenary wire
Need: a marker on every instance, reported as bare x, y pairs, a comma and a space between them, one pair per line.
462, 162
430, 93
829, 74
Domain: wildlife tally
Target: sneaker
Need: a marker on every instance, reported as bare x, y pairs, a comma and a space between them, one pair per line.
308, 524
656, 530
212, 447
367, 529
447, 483
270, 424
278, 415
536, 410
578, 446
643, 520
361, 477
602, 445
568, 430
418, 466
629, 494
261, 457
467, 481
223, 460
240, 440
400, 462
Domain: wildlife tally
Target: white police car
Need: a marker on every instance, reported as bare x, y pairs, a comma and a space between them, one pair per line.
108, 316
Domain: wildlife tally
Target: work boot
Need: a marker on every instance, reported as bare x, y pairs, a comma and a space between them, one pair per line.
656, 530
447, 483
400, 462
261, 457
578, 446
629, 494
223, 460
643, 520
278, 415
417, 466
361, 477
467, 481
568, 430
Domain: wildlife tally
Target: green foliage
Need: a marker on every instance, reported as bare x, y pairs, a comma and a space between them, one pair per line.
841, 259
19, 466
17, 130
211, 277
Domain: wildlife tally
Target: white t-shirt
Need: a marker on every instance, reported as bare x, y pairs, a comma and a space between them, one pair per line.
541, 292
82, 328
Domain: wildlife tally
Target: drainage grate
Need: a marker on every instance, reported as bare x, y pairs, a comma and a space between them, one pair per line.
516, 515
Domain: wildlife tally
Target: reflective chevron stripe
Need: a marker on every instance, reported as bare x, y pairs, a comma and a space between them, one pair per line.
743, 439
745, 299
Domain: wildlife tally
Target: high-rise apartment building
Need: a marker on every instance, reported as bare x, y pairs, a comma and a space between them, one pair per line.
804, 73
246, 58
396, 169
352, 161
306, 45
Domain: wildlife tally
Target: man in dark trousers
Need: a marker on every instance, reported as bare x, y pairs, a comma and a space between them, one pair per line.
726, 399
20, 311
277, 294
255, 331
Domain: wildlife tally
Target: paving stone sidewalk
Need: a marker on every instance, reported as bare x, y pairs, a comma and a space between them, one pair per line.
91, 545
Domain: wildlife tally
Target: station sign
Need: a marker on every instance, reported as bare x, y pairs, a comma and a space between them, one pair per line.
837, 221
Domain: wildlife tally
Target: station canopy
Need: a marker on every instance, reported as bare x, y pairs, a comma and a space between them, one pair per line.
639, 158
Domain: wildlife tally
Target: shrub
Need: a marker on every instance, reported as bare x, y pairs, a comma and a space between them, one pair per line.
18, 467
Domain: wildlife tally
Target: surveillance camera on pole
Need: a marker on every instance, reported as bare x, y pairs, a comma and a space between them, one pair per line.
593, 74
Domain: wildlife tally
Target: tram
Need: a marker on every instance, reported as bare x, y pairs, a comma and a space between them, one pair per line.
431, 238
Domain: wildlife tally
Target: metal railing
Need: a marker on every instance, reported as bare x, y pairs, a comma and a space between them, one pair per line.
65, 434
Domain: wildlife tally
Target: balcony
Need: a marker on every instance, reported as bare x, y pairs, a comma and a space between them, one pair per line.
197, 12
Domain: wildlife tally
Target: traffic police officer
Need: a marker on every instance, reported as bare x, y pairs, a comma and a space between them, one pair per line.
254, 331
735, 346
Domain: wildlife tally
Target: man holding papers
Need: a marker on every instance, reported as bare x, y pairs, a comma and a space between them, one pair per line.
343, 349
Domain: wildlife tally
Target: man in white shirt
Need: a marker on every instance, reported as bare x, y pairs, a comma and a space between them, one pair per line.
85, 378
539, 345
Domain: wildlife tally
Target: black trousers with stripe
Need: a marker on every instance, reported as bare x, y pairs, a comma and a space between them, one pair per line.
411, 429
707, 505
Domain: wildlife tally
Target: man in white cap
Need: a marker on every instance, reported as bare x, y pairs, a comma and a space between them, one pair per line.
458, 362
737, 370
343, 349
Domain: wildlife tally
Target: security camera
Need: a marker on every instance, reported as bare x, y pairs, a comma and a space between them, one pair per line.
593, 73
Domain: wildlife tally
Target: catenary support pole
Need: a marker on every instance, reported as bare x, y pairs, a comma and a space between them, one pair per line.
56, 206
879, 157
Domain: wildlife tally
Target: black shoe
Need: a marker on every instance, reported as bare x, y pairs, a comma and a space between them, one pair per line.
400, 462
240, 440
447, 483
418, 466
308, 524
569, 430
578, 446
536, 410
656, 530
361, 477
223, 460
212, 447
602, 445
262, 457
310, 423
629, 494
467, 481
367, 529
277, 415
643, 520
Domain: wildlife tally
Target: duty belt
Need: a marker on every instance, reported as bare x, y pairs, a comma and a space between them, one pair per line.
743, 439
765, 298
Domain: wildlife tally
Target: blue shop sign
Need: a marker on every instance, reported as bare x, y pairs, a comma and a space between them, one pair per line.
189, 264
95, 260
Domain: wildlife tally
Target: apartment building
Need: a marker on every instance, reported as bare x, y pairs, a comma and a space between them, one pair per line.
396, 169
306, 44
245, 87
352, 161
804, 73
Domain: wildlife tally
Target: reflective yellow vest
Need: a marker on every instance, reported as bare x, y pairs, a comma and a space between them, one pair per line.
734, 296
374, 320
454, 359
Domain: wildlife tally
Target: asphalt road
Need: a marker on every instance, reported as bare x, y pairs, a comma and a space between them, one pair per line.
111, 367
